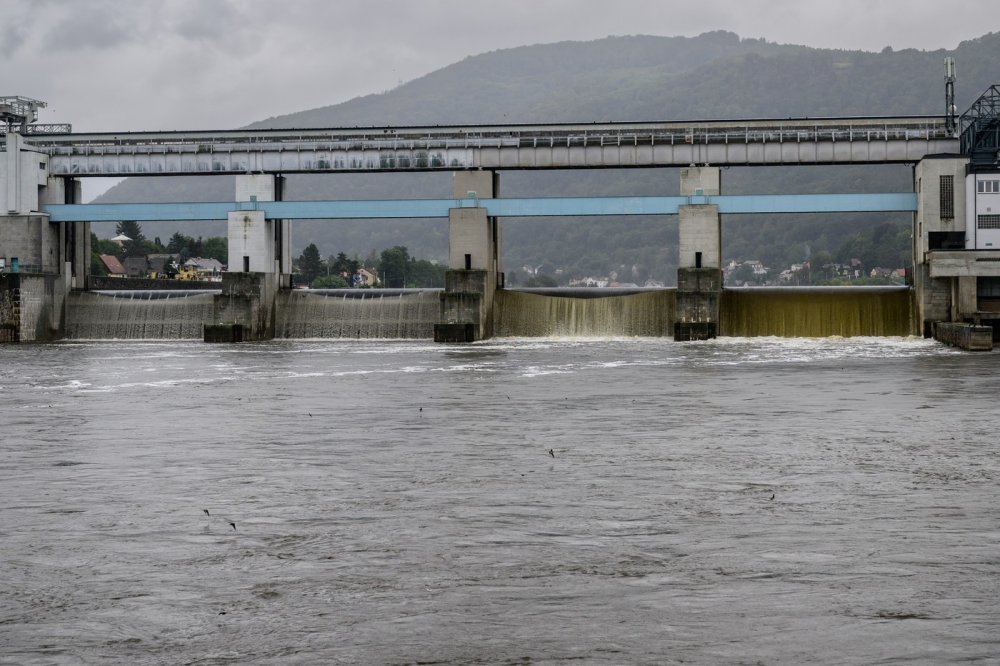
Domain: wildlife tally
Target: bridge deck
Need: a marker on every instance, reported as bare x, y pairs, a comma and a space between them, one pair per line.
553, 146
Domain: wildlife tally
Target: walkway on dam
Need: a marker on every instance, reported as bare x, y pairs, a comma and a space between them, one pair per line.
792, 141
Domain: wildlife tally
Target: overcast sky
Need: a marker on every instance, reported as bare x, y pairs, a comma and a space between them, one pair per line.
184, 64
106, 65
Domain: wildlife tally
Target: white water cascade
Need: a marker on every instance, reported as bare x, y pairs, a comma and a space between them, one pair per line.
138, 315
358, 313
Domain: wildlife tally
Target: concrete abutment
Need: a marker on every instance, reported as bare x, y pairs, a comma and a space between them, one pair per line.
245, 311
699, 261
474, 267
40, 261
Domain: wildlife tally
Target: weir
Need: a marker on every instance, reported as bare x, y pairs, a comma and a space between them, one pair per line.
358, 313
526, 314
413, 313
810, 312
138, 315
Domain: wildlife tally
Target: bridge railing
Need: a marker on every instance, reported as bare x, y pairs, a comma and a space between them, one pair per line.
514, 146
742, 135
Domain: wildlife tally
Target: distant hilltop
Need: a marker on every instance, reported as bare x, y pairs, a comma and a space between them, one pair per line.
716, 75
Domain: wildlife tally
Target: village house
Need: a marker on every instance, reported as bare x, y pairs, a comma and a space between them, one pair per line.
366, 277
205, 268
112, 266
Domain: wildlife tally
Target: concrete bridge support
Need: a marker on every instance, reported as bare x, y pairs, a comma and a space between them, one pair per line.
40, 261
257, 244
75, 237
474, 269
260, 264
245, 310
699, 266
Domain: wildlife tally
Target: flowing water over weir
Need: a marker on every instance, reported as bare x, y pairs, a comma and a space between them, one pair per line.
358, 313
816, 312
412, 313
556, 312
138, 315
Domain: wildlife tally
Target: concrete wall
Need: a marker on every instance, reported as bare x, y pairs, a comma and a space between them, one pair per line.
255, 185
471, 231
936, 293
699, 231
250, 235
467, 299
706, 181
248, 303
927, 184
485, 184
267, 243
33, 240
965, 336
987, 203
469, 234
699, 291
470, 285
932, 297
104, 283
22, 172
964, 299
964, 263
32, 307
699, 257
10, 308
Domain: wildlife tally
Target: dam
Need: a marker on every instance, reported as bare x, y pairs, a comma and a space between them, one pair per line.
44, 235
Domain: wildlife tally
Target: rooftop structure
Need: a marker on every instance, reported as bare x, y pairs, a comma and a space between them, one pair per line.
20, 115
980, 131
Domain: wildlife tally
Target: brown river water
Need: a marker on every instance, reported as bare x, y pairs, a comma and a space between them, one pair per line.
520, 501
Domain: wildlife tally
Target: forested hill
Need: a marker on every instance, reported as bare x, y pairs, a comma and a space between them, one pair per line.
715, 75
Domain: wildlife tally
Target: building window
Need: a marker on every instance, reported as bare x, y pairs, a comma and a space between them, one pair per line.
947, 197
988, 287
988, 186
988, 222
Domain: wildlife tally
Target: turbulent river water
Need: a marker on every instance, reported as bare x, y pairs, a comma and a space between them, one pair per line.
592, 501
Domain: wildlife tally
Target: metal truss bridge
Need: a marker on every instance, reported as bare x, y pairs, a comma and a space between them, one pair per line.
793, 141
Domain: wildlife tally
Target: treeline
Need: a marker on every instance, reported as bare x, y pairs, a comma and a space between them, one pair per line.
393, 268
137, 245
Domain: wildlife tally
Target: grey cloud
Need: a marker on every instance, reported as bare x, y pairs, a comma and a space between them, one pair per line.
98, 26
11, 39
209, 19
243, 60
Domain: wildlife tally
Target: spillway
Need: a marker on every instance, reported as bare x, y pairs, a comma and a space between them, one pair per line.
810, 312
139, 314
358, 313
412, 313
584, 312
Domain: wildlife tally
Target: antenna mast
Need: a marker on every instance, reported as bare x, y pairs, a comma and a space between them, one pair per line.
949, 94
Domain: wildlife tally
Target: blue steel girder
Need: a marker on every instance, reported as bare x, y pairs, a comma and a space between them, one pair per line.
534, 207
